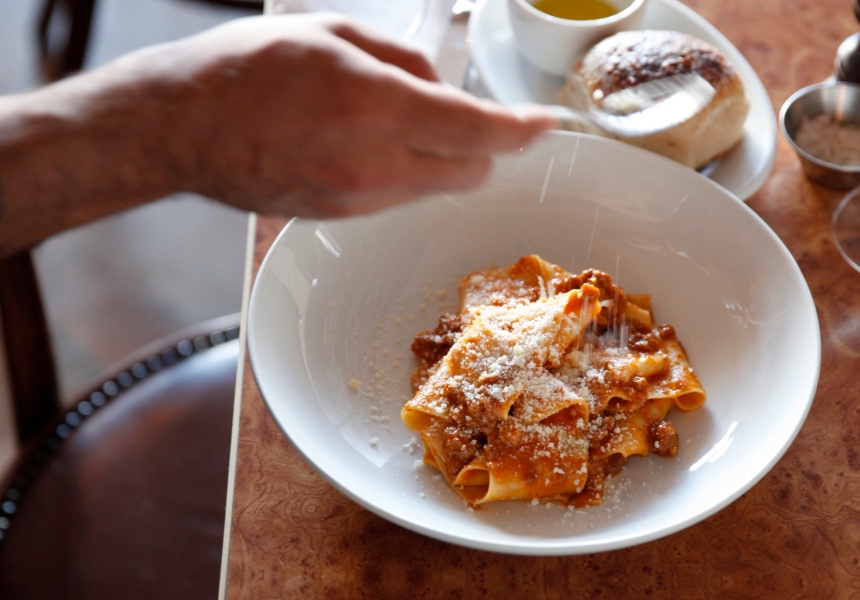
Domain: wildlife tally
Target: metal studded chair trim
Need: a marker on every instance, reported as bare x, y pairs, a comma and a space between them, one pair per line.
108, 391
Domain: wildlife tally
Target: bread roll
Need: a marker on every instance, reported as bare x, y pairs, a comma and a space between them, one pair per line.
632, 57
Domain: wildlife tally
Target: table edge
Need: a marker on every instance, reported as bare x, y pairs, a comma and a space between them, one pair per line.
237, 403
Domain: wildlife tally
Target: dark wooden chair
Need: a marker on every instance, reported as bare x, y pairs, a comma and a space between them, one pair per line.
122, 495
64, 31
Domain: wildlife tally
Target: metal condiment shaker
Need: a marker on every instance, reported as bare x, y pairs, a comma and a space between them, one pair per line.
847, 63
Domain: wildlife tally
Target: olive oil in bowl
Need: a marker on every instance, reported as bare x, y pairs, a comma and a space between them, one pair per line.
577, 10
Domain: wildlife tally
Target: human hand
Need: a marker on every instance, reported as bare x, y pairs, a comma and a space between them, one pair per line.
316, 115
309, 115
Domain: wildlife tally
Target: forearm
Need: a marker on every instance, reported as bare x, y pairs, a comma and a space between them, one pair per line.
80, 150
307, 115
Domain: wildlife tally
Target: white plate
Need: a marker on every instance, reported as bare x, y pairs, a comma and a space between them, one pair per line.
510, 79
341, 300
422, 23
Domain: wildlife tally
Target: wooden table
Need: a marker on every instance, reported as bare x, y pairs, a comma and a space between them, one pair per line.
794, 535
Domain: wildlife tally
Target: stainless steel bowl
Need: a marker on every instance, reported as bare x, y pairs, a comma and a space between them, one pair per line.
836, 99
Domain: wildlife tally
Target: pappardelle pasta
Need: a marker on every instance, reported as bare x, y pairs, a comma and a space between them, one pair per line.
544, 384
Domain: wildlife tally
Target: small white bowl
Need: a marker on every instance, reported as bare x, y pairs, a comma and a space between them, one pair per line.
553, 44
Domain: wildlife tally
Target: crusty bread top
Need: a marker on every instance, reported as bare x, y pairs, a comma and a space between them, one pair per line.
629, 58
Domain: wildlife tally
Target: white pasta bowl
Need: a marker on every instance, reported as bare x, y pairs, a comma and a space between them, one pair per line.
336, 304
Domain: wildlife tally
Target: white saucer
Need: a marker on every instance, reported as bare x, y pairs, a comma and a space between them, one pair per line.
510, 79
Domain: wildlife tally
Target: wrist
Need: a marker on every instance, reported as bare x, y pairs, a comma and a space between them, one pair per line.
77, 151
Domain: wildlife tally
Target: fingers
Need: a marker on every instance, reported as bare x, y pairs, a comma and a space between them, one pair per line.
451, 123
431, 173
406, 172
427, 175
439, 119
386, 49
419, 176
364, 126
536, 113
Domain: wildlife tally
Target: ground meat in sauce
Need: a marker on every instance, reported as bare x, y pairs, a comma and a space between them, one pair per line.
432, 346
600, 430
614, 297
643, 342
664, 439
651, 341
602, 281
598, 472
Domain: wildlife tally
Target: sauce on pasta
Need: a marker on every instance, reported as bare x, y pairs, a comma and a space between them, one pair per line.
545, 384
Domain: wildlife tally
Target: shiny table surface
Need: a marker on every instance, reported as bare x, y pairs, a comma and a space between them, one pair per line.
796, 534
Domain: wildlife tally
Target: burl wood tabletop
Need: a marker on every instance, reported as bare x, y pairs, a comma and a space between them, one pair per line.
796, 534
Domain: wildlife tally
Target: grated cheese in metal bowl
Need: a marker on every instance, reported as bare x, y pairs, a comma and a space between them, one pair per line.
829, 140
